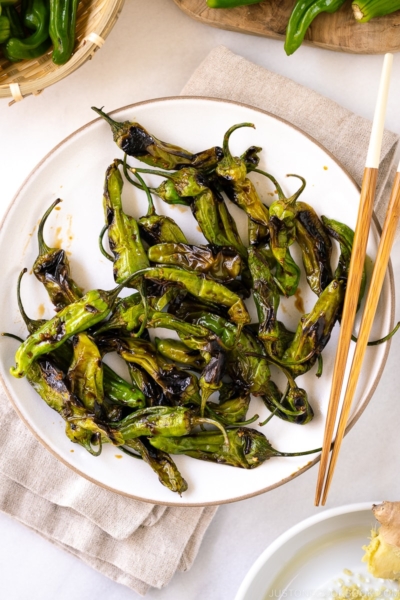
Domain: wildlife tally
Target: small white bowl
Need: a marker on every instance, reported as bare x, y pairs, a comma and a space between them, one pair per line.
308, 560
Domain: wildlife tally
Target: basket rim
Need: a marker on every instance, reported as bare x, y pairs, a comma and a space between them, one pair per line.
84, 52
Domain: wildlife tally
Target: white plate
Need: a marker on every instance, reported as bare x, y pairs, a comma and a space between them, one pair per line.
74, 170
310, 559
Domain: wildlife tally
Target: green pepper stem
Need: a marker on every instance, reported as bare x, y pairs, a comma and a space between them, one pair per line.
276, 361
25, 317
125, 168
151, 172
320, 366
102, 250
14, 337
225, 147
243, 423
151, 210
296, 453
142, 291
267, 420
43, 247
386, 338
115, 126
131, 453
281, 195
201, 420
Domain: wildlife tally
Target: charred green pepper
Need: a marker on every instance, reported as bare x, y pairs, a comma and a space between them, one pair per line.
52, 269
135, 141
316, 247
221, 264
95, 306
163, 421
247, 449
232, 171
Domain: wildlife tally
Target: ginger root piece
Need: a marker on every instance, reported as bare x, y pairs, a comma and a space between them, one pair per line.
382, 554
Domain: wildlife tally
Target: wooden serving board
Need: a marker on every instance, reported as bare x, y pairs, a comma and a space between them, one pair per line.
338, 31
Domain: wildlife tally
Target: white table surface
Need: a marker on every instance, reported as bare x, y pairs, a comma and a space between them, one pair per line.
151, 52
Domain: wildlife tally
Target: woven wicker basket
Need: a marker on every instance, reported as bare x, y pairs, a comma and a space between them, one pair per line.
95, 20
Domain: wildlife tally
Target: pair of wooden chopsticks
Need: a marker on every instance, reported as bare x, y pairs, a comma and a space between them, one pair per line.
353, 287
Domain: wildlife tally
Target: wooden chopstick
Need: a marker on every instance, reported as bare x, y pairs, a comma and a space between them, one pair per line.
371, 303
356, 266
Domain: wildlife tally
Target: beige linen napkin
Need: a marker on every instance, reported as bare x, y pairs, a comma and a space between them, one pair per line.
225, 75
134, 543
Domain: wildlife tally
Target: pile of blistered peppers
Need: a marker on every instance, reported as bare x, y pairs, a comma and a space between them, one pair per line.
197, 292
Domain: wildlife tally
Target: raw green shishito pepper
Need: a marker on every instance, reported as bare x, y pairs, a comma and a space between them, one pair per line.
301, 18
62, 29
36, 44
5, 28
364, 10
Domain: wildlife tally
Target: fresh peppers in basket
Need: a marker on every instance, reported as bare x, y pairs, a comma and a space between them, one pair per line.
50, 21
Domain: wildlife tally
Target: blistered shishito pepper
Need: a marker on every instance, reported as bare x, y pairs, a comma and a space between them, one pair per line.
211, 376
201, 287
123, 230
282, 229
221, 264
232, 171
345, 236
85, 374
301, 18
216, 222
247, 449
163, 421
191, 188
161, 463
115, 387
155, 228
36, 44
293, 406
251, 371
314, 329
177, 351
365, 10
234, 402
258, 234
176, 384
62, 29
266, 296
95, 306
126, 316
81, 426
187, 183
135, 141
282, 214
316, 247
52, 269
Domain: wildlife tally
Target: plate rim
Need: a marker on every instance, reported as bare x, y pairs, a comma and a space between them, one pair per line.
359, 411
293, 531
